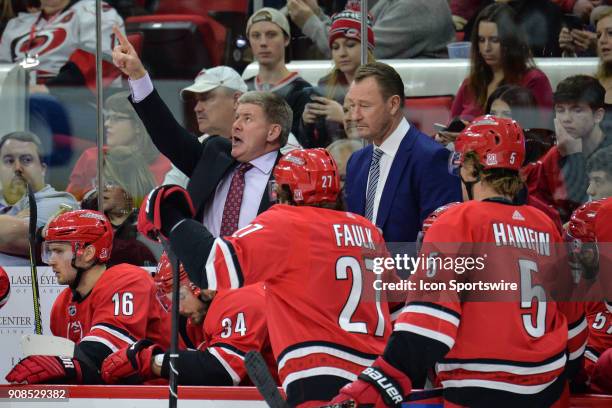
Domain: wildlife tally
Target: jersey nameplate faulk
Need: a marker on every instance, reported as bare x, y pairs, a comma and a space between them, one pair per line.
350, 235
522, 237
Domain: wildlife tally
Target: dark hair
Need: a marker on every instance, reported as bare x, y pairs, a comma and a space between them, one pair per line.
387, 78
601, 160
516, 57
503, 181
580, 88
24, 136
521, 102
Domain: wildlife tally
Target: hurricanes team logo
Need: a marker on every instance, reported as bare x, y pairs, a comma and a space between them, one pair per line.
75, 331
43, 43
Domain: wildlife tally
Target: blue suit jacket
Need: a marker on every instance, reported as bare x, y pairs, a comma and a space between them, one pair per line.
418, 183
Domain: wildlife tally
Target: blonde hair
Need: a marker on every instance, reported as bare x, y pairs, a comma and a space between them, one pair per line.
337, 79
130, 172
603, 70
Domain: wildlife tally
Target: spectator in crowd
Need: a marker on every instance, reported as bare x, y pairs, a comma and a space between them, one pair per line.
127, 180
518, 103
269, 34
539, 20
603, 25
599, 171
125, 135
21, 165
216, 91
580, 40
345, 45
560, 177
62, 37
403, 28
224, 175
398, 180
499, 56
341, 150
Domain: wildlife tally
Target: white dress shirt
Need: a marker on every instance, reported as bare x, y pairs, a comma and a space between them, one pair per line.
255, 182
389, 148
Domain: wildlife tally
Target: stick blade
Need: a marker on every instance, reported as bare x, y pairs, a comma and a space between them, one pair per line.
260, 375
37, 344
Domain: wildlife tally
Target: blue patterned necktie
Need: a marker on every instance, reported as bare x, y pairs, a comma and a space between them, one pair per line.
372, 183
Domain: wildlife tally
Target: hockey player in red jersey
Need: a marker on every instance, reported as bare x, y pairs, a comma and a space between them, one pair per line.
486, 353
325, 320
588, 243
102, 310
223, 326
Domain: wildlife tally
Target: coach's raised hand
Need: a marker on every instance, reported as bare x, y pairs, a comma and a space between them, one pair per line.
125, 57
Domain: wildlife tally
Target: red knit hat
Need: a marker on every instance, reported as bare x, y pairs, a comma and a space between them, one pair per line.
347, 23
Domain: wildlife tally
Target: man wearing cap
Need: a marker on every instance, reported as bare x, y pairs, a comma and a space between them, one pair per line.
268, 33
403, 28
216, 91
228, 178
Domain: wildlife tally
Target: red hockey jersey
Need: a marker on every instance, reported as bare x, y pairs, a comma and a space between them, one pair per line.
235, 324
121, 308
510, 344
325, 320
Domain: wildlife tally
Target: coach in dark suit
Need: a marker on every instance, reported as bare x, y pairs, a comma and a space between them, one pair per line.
399, 179
228, 178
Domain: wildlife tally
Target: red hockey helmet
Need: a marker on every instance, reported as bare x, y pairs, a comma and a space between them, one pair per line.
311, 174
431, 218
498, 142
81, 228
5, 287
163, 276
582, 241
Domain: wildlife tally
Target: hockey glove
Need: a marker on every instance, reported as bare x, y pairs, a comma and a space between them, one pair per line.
46, 370
130, 362
162, 209
381, 385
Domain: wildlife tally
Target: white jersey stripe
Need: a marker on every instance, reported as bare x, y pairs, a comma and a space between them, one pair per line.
226, 365
577, 330
114, 333
576, 354
304, 351
498, 385
507, 368
102, 340
312, 372
443, 338
211, 273
229, 351
432, 311
229, 261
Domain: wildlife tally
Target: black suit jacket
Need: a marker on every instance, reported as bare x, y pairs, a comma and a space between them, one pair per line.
206, 163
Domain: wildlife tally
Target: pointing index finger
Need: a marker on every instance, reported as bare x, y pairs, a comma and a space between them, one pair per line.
122, 40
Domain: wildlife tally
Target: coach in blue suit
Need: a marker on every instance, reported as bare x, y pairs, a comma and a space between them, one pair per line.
402, 176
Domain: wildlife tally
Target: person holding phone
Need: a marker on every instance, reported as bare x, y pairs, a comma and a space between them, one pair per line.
500, 56
323, 115
575, 37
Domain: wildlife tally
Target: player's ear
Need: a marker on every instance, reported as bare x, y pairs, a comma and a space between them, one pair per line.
88, 254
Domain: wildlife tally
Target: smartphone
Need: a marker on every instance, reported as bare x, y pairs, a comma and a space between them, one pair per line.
572, 22
456, 125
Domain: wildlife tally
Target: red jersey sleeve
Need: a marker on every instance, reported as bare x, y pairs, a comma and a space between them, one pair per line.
236, 324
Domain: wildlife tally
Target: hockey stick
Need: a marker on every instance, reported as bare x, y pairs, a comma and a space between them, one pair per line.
260, 375
173, 383
32, 254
